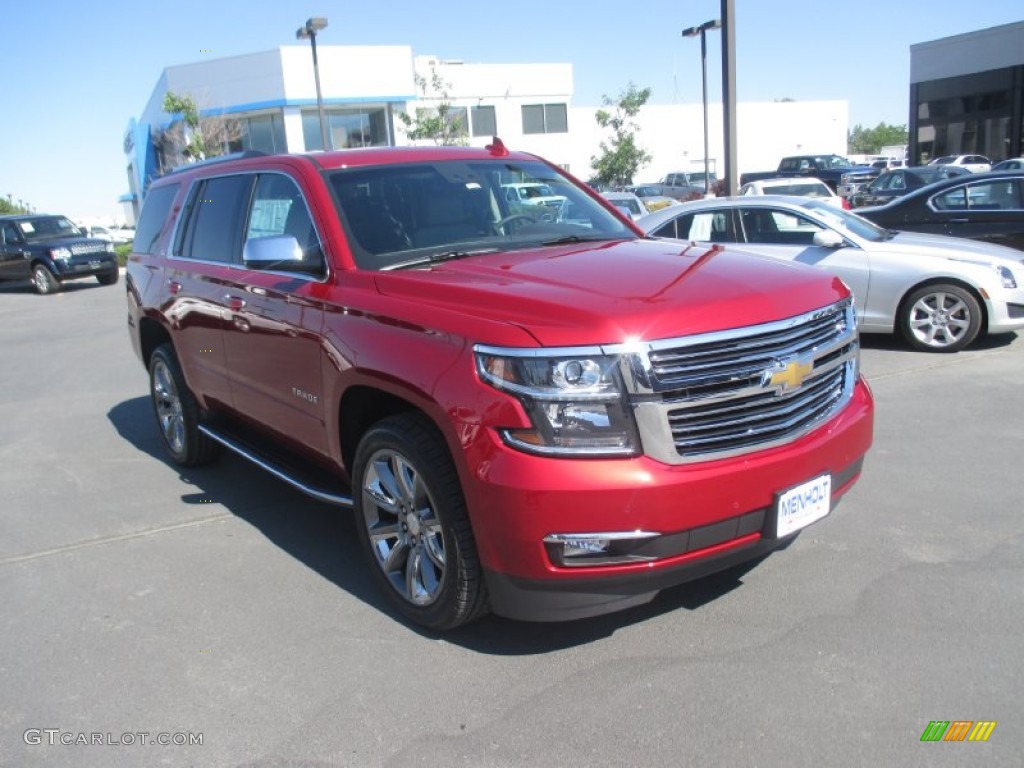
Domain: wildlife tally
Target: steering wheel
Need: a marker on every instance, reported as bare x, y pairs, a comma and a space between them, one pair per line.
500, 225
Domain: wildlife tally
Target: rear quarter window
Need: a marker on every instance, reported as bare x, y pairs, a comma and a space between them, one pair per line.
154, 221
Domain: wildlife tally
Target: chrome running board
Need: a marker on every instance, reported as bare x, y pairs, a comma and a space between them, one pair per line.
321, 493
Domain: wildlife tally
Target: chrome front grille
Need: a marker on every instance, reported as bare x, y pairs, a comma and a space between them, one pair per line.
84, 249
732, 392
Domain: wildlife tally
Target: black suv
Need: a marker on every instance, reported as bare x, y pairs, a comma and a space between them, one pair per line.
50, 250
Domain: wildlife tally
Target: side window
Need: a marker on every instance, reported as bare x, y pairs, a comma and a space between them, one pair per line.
278, 208
10, 234
213, 231
994, 196
155, 219
774, 227
953, 200
666, 230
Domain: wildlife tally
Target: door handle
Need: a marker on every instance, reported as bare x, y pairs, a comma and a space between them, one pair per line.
234, 303
174, 286
959, 221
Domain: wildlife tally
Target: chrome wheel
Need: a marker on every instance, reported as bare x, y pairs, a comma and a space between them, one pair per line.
941, 318
406, 536
169, 413
43, 280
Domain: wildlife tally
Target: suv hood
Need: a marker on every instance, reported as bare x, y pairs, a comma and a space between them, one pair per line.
602, 293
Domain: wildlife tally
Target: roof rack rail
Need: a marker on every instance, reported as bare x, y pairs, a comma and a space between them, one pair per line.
218, 159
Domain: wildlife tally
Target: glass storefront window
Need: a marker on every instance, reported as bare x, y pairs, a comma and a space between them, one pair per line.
346, 128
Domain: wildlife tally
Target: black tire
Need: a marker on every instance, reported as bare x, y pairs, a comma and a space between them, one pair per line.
108, 278
413, 524
941, 317
177, 412
44, 281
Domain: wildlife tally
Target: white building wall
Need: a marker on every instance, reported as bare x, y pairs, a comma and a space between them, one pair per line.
673, 134
348, 73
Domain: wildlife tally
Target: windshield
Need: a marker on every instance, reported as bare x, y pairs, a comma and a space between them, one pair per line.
399, 215
46, 227
846, 221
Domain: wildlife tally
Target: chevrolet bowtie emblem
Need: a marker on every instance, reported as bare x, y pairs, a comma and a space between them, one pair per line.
790, 376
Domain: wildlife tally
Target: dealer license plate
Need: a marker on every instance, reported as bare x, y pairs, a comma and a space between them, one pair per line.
799, 507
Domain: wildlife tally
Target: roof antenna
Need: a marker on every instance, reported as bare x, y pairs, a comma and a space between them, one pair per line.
497, 147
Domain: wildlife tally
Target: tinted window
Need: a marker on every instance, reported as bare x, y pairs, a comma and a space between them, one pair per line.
10, 233
484, 122
154, 219
216, 210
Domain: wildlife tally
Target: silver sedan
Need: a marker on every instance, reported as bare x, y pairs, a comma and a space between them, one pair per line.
938, 292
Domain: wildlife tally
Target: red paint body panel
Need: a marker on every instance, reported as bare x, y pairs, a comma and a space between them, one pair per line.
283, 354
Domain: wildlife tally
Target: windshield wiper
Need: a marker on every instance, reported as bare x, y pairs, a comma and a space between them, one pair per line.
567, 239
435, 258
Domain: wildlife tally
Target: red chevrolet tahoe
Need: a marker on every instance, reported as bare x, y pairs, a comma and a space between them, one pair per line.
530, 408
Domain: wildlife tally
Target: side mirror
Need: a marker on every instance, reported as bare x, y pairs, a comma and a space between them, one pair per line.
826, 238
279, 252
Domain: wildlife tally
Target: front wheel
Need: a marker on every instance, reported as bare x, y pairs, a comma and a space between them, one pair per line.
44, 281
177, 412
412, 518
108, 278
940, 318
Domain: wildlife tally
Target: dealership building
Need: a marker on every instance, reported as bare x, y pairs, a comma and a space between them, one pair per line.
269, 100
967, 95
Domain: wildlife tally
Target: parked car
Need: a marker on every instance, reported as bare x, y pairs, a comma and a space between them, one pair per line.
682, 185
973, 163
834, 170
626, 202
1014, 164
939, 293
550, 418
804, 187
650, 195
900, 181
51, 250
988, 206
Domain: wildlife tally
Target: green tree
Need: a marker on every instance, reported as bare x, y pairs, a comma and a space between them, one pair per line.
443, 124
620, 157
193, 136
9, 206
867, 141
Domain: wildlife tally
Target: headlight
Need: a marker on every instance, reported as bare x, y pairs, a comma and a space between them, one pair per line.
575, 401
1006, 277
60, 253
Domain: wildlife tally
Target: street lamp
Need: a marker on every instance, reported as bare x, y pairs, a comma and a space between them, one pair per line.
309, 30
693, 32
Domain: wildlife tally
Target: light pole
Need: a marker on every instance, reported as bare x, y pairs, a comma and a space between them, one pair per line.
311, 27
693, 32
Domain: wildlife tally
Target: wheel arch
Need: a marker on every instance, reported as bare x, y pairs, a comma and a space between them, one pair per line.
973, 290
361, 407
152, 334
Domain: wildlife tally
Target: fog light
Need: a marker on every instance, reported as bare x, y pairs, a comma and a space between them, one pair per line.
588, 549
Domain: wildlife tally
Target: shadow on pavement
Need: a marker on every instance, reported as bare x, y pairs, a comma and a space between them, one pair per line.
324, 538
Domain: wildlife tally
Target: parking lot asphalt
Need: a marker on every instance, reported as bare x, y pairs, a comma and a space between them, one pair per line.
219, 605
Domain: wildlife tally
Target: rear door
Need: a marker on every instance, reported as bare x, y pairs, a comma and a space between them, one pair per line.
991, 210
207, 248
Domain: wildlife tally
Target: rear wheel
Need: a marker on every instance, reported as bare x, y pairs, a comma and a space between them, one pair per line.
177, 412
940, 318
412, 517
44, 281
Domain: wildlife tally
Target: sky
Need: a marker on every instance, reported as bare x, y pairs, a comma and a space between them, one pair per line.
74, 73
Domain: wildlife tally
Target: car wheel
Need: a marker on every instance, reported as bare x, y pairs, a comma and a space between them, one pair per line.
940, 318
413, 522
108, 278
177, 412
44, 281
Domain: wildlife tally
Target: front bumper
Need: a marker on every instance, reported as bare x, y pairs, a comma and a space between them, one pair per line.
79, 267
706, 517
